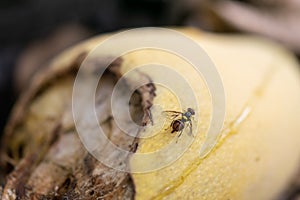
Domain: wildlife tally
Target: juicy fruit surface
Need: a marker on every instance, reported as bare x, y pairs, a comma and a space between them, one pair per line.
259, 148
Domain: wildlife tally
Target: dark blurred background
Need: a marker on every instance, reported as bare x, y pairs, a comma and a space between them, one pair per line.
34, 31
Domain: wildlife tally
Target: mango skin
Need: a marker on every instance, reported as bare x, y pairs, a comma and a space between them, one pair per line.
256, 159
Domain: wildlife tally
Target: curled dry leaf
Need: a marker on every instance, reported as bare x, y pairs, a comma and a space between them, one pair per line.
41, 154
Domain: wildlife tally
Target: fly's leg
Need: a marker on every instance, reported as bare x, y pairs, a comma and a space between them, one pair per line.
190, 133
179, 135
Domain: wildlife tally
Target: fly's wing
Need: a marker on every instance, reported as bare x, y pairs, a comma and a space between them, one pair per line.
172, 114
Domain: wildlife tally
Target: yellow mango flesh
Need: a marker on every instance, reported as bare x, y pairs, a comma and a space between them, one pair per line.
259, 149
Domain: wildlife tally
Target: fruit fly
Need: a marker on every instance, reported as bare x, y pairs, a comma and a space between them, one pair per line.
183, 118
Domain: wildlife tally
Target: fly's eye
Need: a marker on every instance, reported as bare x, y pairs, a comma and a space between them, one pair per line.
190, 110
